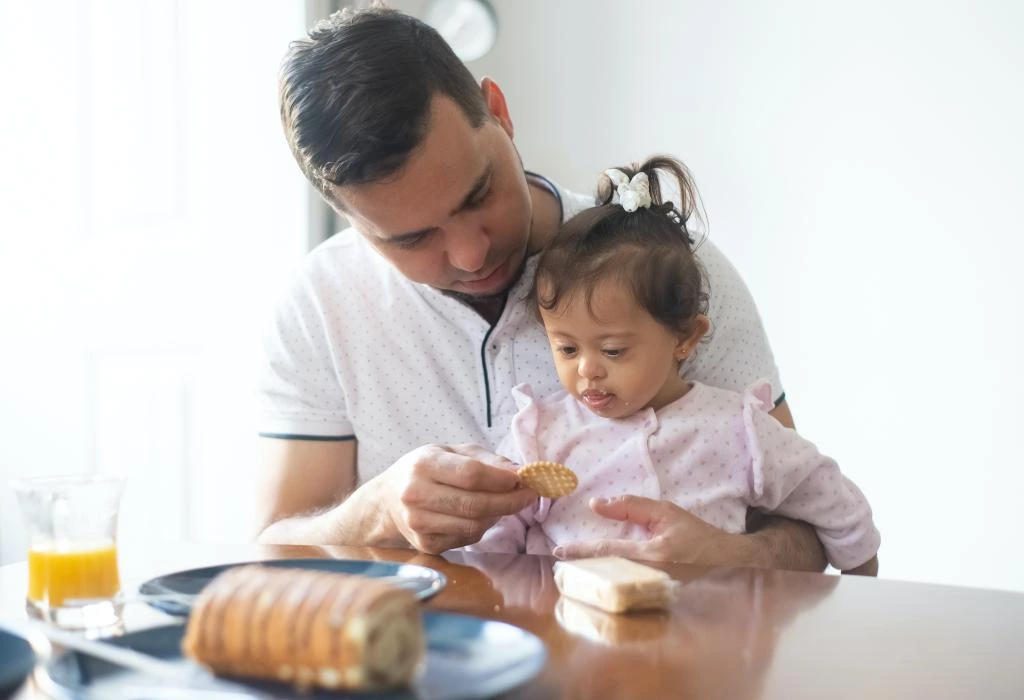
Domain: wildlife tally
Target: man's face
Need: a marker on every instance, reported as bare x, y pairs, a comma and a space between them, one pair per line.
457, 215
614, 357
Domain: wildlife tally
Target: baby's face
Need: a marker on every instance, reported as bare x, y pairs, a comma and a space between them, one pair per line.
614, 357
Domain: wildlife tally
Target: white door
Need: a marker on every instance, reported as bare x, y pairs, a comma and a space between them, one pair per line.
150, 211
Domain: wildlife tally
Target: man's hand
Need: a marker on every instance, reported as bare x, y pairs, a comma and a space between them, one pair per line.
442, 497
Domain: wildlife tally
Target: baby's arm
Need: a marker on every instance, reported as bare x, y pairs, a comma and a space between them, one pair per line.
792, 478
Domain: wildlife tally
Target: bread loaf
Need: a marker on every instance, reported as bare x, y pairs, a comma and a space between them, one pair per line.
305, 627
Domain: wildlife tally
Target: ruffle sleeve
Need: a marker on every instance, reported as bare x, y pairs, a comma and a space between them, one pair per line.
792, 478
757, 399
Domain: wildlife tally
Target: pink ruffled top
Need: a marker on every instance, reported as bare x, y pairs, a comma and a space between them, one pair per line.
714, 452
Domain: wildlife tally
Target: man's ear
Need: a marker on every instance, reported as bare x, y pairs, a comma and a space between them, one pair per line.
695, 330
496, 104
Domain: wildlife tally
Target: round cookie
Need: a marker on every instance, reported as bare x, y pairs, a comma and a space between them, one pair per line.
549, 479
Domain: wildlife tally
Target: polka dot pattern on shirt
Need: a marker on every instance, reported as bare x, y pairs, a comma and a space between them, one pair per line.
357, 350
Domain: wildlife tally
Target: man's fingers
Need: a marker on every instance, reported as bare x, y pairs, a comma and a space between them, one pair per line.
437, 532
631, 549
478, 470
482, 454
645, 512
473, 505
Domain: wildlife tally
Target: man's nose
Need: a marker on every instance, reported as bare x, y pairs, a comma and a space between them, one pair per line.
468, 247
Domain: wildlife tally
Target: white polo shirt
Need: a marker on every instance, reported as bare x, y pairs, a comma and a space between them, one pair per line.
357, 351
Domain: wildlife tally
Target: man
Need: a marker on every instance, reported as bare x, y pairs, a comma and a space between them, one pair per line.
410, 328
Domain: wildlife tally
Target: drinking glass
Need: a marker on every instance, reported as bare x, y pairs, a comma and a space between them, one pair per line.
71, 522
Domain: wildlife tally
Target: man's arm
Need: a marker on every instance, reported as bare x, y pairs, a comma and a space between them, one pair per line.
868, 568
780, 543
434, 498
782, 414
304, 488
678, 535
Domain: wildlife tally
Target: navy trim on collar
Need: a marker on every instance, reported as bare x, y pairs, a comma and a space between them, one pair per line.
319, 438
550, 186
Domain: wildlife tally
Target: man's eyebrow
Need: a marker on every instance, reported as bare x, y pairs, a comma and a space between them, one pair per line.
474, 192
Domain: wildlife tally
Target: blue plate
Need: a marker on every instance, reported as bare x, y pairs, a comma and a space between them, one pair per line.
16, 662
467, 657
423, 581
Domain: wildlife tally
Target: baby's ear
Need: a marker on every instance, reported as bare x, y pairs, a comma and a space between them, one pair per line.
696, 329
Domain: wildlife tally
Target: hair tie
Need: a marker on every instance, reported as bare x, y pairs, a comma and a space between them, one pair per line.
632, 194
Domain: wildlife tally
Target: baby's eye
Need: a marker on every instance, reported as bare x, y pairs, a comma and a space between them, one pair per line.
567, 350
614, 352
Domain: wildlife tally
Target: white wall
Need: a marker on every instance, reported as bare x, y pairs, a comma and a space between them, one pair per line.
150, 209
861, 163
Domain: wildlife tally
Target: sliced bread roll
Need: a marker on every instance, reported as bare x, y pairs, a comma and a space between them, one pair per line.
309, 628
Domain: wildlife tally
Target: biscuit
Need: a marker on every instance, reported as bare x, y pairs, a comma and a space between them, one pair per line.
614, 584
549, 479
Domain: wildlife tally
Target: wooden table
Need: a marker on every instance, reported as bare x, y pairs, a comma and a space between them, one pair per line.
731, 633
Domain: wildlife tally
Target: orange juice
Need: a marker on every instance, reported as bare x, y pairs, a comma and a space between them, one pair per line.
54, 575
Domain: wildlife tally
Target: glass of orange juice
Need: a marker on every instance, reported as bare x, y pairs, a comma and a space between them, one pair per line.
71, 522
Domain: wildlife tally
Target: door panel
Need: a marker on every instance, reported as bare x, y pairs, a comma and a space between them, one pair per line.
151, 212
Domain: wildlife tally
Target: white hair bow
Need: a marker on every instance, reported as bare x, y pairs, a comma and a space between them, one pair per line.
634, 193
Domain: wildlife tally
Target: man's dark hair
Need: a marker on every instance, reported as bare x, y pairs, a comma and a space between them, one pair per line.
355, 96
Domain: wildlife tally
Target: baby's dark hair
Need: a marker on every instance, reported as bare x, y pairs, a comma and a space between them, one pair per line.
649, 251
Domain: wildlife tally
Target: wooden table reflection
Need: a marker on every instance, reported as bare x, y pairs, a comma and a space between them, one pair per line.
731, 633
